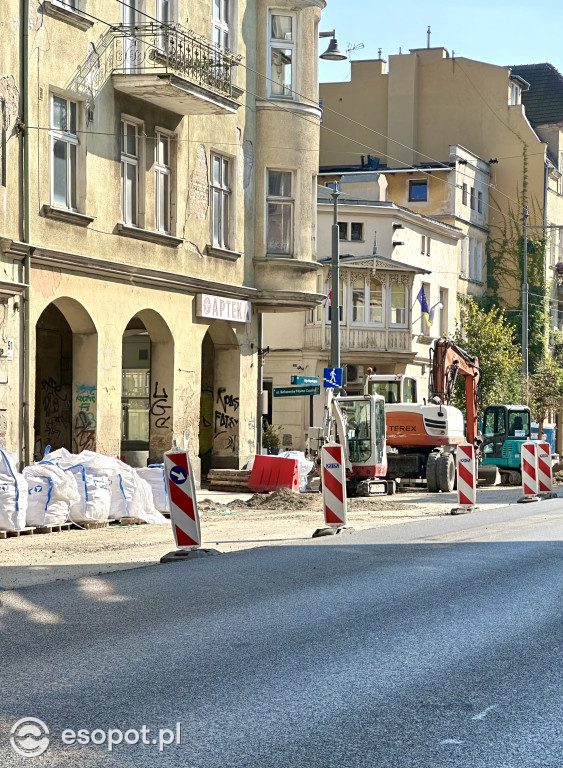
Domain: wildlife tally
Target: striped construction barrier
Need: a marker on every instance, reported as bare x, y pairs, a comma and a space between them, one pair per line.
183, 501
466, 479
334, 485
529, 464
545, 474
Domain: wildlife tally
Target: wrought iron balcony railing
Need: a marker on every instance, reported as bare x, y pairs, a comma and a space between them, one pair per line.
151, 48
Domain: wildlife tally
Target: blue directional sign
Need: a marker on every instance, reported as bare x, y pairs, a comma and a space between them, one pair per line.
332, 378
304, 380
178, 475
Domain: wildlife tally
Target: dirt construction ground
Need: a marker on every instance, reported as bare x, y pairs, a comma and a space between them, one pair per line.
228, 522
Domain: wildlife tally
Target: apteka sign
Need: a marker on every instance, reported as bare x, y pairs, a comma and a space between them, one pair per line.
221, 308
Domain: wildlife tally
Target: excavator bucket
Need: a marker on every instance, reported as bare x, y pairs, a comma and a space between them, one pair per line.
488, 475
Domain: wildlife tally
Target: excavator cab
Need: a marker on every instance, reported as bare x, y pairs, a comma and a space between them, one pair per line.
363, 419
505, 428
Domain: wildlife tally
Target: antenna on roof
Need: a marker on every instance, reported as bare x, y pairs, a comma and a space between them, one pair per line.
352, 47
428, 37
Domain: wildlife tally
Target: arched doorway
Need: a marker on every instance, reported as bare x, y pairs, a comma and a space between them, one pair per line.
66, 371
220, 399
147, 389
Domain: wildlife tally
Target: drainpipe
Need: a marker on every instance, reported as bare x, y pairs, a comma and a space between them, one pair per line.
25, 235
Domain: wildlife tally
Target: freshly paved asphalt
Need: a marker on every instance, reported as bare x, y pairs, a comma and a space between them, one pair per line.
432, 643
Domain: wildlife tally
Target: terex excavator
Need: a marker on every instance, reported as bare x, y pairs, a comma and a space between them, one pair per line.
422, 438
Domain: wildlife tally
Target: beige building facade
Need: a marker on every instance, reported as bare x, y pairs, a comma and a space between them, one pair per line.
158, 201
388, 253
410, 112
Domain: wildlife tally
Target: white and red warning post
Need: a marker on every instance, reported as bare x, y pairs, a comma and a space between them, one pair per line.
529, 464
466, 479
334, 485
545, 471
183, 501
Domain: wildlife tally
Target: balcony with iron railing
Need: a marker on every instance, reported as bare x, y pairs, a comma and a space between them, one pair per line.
165, 65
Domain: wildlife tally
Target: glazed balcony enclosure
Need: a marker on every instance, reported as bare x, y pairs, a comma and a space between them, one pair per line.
164, 65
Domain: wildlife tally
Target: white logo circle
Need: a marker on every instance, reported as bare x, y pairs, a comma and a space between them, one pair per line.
28, 737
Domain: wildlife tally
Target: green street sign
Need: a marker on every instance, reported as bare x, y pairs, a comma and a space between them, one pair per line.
296, 391
303, 380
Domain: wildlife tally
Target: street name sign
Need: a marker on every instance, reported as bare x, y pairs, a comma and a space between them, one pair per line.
304, 380
296, 391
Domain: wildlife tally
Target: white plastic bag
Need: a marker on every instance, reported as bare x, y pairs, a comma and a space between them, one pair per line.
94, 491
13, 493
51, 491
154, 476
304, 466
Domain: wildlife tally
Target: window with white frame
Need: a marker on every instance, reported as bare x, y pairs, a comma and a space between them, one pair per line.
443, 316
553, 246
221, 23
279, 219
72, 5
163, 16
220, 200
398, 305
281, 59
366, 295
425, 245
163, 183
514, 97
475, 259
464, 256
130, 172
64, 152
479, 202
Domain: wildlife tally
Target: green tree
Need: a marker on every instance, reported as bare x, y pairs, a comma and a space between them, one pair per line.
545, 391
489, 336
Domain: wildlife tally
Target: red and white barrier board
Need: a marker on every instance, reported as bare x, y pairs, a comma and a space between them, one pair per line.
529, 469
334, 485
183, 502
466, 475
545, 474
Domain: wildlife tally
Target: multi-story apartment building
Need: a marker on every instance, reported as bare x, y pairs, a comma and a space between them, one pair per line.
387, 254
409, 114
158, 167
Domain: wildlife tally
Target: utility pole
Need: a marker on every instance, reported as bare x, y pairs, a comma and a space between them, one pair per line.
335, 295
525, 301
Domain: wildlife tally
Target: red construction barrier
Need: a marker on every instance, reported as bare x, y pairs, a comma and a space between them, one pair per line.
466, 476
529, 470
183, 501
272, 472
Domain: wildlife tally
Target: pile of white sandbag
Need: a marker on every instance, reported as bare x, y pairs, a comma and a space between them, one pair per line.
154, 475
84, 487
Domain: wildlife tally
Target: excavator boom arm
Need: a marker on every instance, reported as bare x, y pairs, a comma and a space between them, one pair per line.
447, 362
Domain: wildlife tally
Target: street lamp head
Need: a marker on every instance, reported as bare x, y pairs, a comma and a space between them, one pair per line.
333, 53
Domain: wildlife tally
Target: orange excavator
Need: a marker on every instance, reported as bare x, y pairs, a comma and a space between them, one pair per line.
422, 437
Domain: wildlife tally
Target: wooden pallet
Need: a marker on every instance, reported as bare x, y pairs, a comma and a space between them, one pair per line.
53, 528
228, 479
127, 521
14, 534
91, 524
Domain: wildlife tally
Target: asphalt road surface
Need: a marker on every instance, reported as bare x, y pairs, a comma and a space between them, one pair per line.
431, 643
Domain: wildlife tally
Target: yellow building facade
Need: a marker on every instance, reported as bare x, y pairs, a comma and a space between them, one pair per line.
157, 201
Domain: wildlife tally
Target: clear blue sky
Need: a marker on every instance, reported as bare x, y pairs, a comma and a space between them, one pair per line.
496, 31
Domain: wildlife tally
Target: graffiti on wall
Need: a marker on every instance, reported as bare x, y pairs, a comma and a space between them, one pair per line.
55, 416
225, 424
84, 426
160, 408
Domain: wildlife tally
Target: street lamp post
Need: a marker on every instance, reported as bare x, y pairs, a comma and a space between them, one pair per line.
525, 300
335, 295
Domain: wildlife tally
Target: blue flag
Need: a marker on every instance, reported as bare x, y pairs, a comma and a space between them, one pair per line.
421, 297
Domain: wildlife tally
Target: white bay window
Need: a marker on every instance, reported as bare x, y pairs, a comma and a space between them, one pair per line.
281, 59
